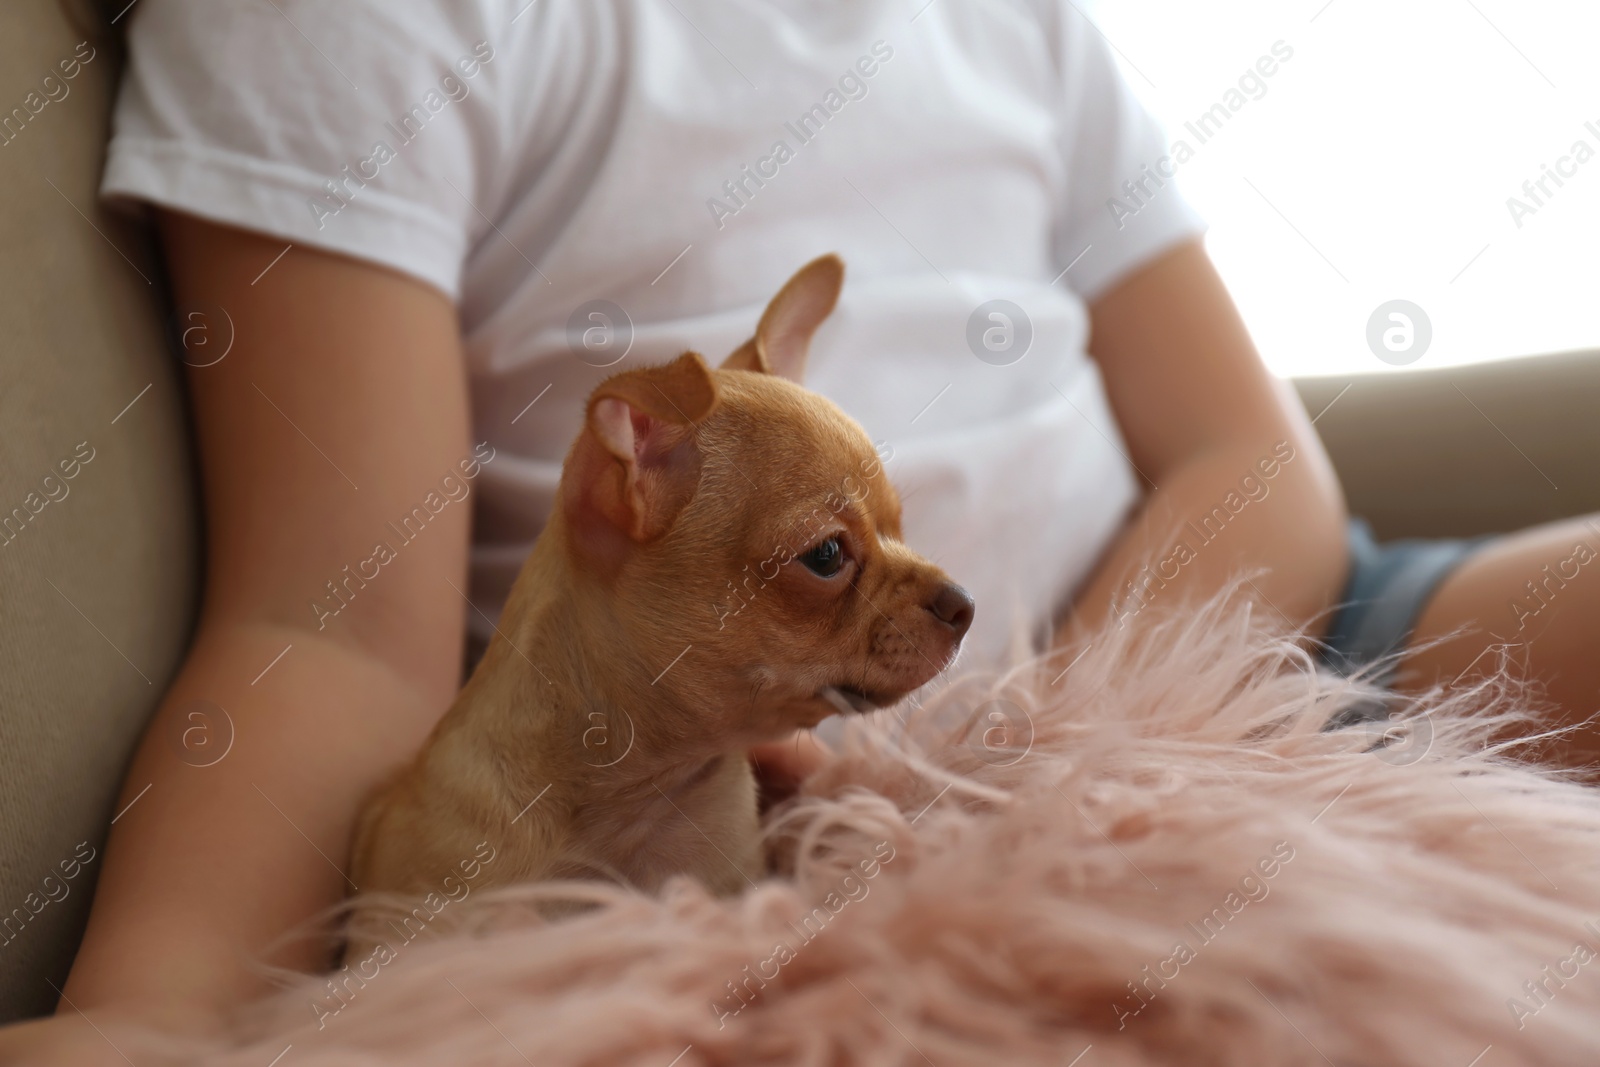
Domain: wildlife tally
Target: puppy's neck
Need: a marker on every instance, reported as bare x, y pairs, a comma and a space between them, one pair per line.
562, 679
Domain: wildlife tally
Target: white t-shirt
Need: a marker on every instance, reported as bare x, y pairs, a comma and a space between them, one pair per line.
678, 160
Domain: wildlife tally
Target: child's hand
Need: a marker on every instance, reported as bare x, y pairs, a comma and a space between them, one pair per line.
781, 766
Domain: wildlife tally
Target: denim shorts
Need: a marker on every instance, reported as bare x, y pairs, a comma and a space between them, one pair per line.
1389, 586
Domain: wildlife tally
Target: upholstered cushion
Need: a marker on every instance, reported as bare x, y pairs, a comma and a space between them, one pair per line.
1465, 450
99, 546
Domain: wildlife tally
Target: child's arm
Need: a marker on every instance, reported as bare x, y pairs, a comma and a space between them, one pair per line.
1200, 414
341, 405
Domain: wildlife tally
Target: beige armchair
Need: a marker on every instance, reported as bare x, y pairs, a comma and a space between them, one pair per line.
99, 569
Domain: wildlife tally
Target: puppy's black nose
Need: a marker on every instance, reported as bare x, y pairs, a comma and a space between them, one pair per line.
953, 606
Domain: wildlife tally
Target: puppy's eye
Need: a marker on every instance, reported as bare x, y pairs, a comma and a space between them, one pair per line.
826, 559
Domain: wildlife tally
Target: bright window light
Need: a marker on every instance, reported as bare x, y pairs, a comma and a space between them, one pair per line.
1440, 152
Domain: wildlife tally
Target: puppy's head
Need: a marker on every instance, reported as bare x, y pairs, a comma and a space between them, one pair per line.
747, 539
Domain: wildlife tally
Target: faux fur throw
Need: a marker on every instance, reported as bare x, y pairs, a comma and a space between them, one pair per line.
1150, 854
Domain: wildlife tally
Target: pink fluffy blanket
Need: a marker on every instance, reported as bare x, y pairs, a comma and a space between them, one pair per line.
1152, 854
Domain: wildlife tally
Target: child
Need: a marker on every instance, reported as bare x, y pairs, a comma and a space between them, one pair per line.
435, 226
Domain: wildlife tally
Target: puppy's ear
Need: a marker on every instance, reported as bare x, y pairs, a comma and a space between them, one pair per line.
636, 464
784, 335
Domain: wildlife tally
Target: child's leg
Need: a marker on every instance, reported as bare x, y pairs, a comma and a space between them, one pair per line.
1537, 593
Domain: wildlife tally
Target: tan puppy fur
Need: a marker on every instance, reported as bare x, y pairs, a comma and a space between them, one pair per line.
684, 602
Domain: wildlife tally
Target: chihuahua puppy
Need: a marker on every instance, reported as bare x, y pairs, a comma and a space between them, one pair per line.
723, 567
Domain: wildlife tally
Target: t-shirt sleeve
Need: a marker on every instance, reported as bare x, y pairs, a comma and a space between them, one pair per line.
1122, 207
364, 127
